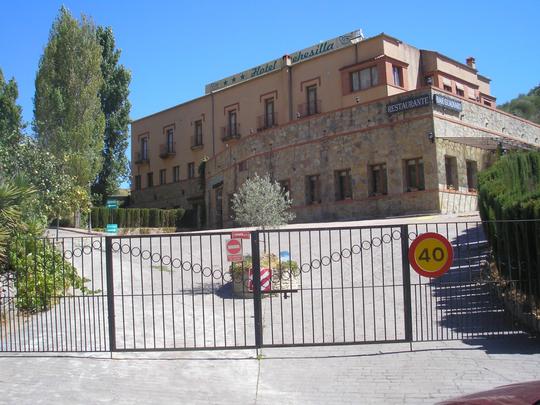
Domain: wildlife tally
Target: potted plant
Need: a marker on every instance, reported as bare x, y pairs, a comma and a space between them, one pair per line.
284, 275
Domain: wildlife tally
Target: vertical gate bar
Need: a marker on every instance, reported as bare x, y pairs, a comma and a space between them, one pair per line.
110, 293
406, 282
257, 307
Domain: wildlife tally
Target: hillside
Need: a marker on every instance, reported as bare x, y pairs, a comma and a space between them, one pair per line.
525, 105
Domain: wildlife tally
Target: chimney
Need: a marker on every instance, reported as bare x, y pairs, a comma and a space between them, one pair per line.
471, 62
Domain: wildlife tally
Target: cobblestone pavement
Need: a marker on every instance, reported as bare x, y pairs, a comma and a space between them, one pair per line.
353, 374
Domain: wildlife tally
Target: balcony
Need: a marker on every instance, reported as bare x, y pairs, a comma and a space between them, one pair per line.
167, 150
230, 132
142, 158
266, 121
307, 109
196, 142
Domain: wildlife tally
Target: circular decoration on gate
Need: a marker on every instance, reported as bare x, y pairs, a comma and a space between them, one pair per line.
431, 255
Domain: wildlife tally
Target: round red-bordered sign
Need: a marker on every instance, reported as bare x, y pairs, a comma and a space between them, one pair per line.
431, 255
234, 246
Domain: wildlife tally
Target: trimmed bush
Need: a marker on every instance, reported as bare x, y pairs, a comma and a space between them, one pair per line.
136, 217
509, 191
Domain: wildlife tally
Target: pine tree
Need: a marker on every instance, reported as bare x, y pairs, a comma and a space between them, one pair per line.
10, 113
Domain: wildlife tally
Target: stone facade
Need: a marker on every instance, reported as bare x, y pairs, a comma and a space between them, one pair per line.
353, 139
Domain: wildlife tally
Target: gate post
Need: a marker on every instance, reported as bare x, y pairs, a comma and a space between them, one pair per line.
256, 272
110, 293
407, 304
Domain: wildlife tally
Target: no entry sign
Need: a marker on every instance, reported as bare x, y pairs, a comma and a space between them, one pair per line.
431, 255
234, 250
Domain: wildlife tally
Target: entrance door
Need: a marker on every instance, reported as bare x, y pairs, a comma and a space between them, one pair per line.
219, 207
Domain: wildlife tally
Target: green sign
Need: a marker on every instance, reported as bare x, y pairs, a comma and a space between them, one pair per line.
112, 203
112, 228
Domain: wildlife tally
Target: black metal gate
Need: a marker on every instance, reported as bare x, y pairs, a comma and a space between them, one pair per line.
296, 287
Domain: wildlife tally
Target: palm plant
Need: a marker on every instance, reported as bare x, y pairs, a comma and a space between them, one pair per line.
12, 197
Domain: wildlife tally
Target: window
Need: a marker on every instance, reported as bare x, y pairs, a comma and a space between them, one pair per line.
365, 78
242, 166
232, 123
198, 135
414, 174
450, 167
313, 189
472, 170
487, 103
269, 116
138, 182
447, 84
285, 186
343, 184
150, 179
460, 90
176, 174
163, 176
191, 170
312, 100
397, 73
471, 93
144, 148
170, 140
377, 179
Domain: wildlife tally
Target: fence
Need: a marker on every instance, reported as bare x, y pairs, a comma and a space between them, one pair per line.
296, 287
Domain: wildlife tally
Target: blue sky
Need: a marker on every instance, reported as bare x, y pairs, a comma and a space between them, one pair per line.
174, 48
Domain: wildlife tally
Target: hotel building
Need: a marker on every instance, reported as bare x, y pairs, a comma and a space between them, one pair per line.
352, 127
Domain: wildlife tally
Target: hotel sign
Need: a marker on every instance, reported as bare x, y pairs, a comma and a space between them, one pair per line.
276, 64
409, 104
447, 102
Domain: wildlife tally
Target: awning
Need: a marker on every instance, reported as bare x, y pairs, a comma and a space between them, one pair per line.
447, 82
459, 86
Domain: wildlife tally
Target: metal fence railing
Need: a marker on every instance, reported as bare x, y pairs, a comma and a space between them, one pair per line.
293, 287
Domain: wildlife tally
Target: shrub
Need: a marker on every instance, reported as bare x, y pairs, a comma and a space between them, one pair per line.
136, 217
41, 275
509, 191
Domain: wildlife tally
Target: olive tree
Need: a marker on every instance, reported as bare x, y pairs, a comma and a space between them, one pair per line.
262, 203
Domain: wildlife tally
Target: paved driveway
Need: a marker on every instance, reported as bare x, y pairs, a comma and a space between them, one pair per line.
368, 374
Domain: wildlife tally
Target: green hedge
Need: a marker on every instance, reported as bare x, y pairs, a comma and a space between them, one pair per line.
509, 191
136, 217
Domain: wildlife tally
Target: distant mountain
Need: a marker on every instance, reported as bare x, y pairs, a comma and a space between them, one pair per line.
525, 105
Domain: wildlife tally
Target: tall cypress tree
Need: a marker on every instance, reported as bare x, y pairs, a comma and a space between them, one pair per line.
68, 119
115, 107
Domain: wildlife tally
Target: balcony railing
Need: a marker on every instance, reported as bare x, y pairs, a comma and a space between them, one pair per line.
142, 158
196, 141
230, 132
266, 121
167, 150
307, 109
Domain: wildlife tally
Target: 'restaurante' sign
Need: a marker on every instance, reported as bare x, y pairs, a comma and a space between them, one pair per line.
409, 104
296, 57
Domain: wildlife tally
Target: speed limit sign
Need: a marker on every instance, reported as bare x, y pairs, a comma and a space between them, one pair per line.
431, 255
